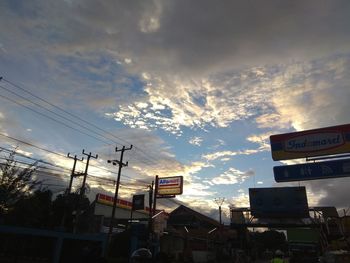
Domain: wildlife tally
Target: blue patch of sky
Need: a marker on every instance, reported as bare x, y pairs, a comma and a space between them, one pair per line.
199, 100
22, 8
101, 69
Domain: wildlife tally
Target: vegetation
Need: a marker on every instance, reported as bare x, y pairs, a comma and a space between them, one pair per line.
16, 183
24, 202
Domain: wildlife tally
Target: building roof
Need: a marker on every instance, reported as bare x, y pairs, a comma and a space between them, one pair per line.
186, 216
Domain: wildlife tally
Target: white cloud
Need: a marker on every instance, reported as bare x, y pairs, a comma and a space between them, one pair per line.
262, 140
272, 120
317, 93
232, 176
196, 141
189, 62
224, 155
240, 200
128, 60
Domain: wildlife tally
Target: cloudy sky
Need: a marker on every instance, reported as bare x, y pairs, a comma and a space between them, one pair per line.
196, 86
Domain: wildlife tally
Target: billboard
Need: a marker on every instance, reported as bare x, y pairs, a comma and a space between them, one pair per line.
312, 171
311, 143
278, 202
170, 186
138, 202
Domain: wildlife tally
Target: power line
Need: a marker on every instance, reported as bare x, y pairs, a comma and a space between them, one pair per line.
61, 155
58, 121
38, 167
59, 108
53, 119
32, 145
30, 158
59, 115
77, 117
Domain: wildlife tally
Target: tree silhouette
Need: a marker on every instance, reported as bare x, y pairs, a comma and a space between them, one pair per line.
16, 183
32, 211
64, 206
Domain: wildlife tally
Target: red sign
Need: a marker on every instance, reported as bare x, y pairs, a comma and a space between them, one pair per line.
311, 143
108, 200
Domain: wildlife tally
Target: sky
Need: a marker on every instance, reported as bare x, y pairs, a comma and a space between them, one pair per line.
197, 87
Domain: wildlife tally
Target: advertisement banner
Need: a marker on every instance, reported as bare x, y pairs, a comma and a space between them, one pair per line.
168, 186
278, 202
311, 143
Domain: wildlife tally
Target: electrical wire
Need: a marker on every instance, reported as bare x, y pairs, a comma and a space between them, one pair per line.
53, 119
77, 117
94, 177
61, 155
59, 115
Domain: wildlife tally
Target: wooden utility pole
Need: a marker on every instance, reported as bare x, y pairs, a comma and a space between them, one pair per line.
120, 164
83, 188
69, 189
73, 171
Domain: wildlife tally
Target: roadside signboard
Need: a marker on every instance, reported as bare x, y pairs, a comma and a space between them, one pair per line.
168, 186
138, 202
278, 202
312, 171
311, 143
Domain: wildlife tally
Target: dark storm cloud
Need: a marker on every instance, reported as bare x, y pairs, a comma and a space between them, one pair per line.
189, 36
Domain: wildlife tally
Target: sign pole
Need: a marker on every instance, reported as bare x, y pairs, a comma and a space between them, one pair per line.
155, 195
131, 213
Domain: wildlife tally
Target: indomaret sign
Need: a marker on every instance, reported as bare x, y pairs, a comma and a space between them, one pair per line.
170, 185
311, 143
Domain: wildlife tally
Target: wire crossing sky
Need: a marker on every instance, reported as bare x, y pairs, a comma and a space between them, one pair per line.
196, 86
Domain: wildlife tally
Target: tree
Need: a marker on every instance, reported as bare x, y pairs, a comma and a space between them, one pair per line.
32, 211
269, 240
64, 206
16, 183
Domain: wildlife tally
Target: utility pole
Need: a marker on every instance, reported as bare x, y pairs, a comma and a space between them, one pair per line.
155, 195
219, 202
150, 197
82, 189
73, 171
69, 189
120, 164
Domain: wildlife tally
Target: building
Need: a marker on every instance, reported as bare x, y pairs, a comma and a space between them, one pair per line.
194, 236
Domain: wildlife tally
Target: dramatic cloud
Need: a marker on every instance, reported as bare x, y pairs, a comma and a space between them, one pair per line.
179, 67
